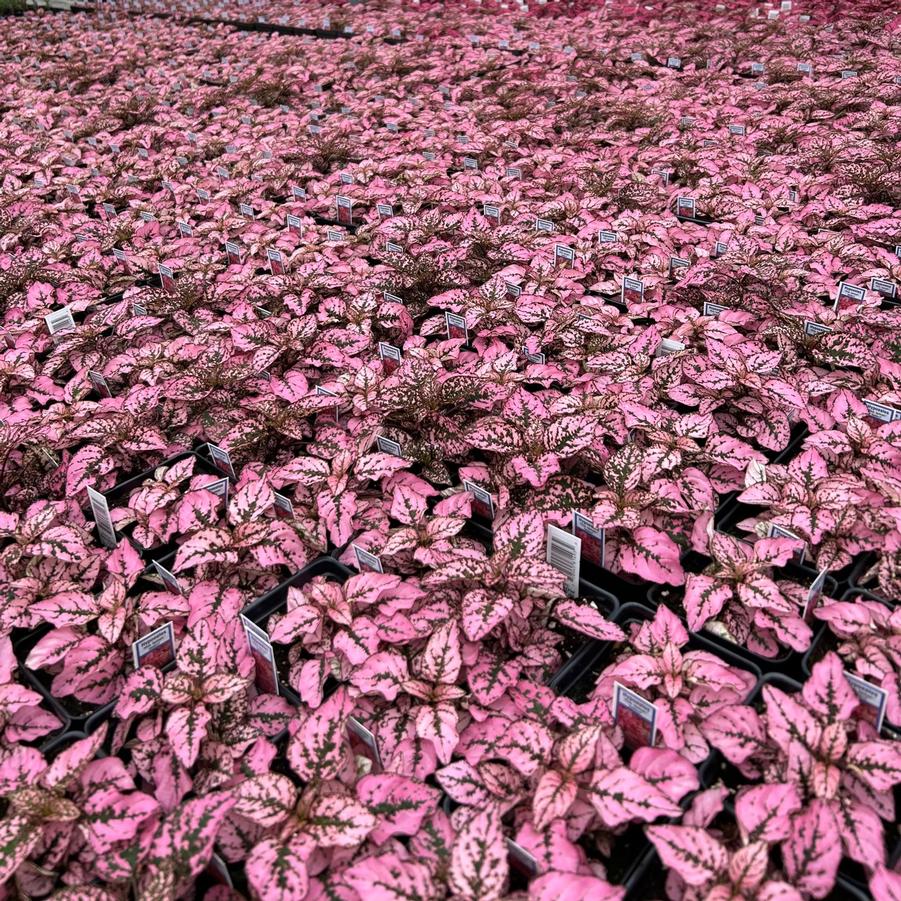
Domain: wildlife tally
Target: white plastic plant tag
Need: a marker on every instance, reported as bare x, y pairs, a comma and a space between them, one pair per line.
456, 326
686, 206
363, 743
156, 648
294, 224
884, 287
521, 860
775, 531
391, 298
282, 506
138, 309
246, 210
805, 68
538, 358
390, 356
738, 130
606, 237
593, 540
276, 261
491, 211
514, 172
512, 290
673, 62
393, 247
334, 234
60, 321
482, 500
346, 178
389, 446
678, 263
813, 595
812, 329
632, 291
203, 194
366, 561
221, 460
167, 277
266, 675
848, 296
184, 229
564, 552
298, 193
385, 210
669, 346
873, 700
470, 162
219, 488
344, 210
635, 715
881, 412
232, 252
544, 225
100, 511
168, 578
713, 309
562, 253
98, 380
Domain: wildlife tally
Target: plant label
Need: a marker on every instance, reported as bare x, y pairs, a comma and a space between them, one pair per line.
564, 254
169, 579
392, 247
606, 237
100, 511
232, 253
219, 488
738, 130
363, 743
482, 500
757, 68
282, 506
333, 234
246, 210
346, 178
544, 225
184, 229
805, 68
678, 263
324, 392
119, 255
156, 648
109, 209
366, 561
775, 531
470, 162
203, 194
635, 715
298, 193
391, 298
632, 291
514, 172
669, 346
881, 412
276, 261
491, 211
813, 595
513, 291
221, 460
167, 277
686, 207
385, 210
812, 329
674, 62
266, 673
713, 309
60, 321
456, 326
564, 551
390, 356
873, 700
593, 540
98, 380
538, 358
719, 249
389, 446
138, 309
521, 860
884, 287
293, 223
848, 296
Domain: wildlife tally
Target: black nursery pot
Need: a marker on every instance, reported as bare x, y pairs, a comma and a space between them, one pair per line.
857, 581
788, 662
275, 601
